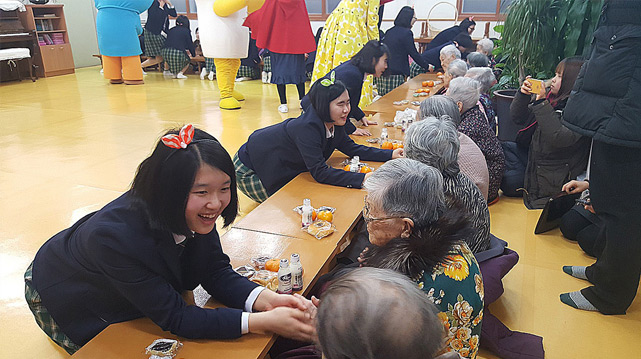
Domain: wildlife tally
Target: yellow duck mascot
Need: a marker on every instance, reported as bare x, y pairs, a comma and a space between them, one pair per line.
224, 38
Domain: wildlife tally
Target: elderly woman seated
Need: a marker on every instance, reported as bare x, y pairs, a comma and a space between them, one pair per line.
465, 91
486, 78
470, 158
477, 59
435, 142
414, 231
457, 68
348, 320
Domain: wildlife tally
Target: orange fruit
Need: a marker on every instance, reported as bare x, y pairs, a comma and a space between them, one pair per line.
346, 168
397, 145
326, 216
387, 146
425, 83
365, 169
314, 215
439, 73
272, 265
430, 83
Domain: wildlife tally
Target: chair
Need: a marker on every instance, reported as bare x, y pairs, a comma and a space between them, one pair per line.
14, 56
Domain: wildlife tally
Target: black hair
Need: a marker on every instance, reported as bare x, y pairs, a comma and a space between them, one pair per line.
165, 178
319, 32
368, 56
477, 59
183, 21
463, 39
320, 96
404, 17
465, 24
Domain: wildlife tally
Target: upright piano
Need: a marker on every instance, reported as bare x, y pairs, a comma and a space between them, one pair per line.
14, 34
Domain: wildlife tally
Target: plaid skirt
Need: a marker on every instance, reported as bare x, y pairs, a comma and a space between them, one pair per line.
175, 59
416, 70
209, 64
246, 71
248, 181
153, 43
43, 318
388, 83
267, 64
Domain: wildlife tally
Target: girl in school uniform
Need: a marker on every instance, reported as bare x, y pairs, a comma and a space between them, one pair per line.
274, 155
157, 23
400, 41
175, 50
135, 256
466, 26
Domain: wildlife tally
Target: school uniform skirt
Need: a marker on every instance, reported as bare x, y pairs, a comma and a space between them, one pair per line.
248, 182
416, 70
385, 84
175, 59
288, 68
153, 43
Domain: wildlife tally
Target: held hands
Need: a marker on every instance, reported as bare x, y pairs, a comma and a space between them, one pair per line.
398, 153
268, 300
575, 186
286, 315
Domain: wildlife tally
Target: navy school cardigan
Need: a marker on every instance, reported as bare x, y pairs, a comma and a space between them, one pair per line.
400, 41
157, 21
110, 267
280, 152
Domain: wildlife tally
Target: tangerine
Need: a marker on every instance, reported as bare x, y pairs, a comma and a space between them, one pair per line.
439, 73
326, 216
273, 265
364, 169
425, 83
387, 146
397, 145
430, 83
346, 168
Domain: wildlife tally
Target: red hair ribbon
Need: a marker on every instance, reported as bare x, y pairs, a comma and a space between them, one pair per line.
182, 139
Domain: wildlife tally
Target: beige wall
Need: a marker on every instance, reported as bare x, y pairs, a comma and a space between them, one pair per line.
81, 26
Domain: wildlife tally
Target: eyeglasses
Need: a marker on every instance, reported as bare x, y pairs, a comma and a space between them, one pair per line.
368, 219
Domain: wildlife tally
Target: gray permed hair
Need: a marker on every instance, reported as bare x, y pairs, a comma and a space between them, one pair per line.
486, 46
408, 188
440, 105
484, 76
477, 59
450, 50
365, 314
464, 90
434, 142
457, 68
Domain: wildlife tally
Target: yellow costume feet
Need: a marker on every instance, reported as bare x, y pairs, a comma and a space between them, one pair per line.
229, 103
238, 96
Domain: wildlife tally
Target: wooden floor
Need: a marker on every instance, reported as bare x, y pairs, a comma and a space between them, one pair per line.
70, 144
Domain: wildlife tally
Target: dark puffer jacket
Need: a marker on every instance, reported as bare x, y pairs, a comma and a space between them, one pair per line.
606, 103
556, 154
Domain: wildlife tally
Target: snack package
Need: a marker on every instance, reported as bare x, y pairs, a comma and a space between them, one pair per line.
321, 229
259, 262
262, 277
245, 271
406, 116
400, 103
272, 284
163, 348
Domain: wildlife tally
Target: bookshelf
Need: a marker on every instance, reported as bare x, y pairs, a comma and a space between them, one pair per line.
48, 22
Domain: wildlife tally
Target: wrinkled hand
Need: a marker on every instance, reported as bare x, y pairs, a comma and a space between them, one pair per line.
362, 260
288, 322
361, 132
588, 207
575, 186
398, 153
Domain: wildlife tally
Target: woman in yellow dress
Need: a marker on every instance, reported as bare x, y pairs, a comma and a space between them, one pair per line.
349, 27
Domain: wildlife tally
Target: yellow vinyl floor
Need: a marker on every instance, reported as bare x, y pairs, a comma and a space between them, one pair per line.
70, 144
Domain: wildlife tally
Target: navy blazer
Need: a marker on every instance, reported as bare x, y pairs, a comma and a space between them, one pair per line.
280, 152
444, 36
433, 55
110, 267
179, 38
157, 18
400, 41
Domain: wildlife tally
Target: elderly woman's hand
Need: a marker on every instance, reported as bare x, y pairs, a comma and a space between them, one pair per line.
398, 153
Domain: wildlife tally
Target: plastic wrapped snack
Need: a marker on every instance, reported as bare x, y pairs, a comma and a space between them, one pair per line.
321, 229
272, 284
263, 277
245, 271
163, 348
259, 262
416, 103
401, 102
373, 140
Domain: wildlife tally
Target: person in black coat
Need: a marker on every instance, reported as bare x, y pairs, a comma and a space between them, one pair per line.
274, 155
440, 56
135, 256
157, 23
605, 105
400, 41
466, 26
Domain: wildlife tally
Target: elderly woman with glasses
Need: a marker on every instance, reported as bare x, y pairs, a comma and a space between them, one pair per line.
414, 231
465, 92
435, 142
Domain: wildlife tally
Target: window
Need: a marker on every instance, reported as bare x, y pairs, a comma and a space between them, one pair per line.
482, 9
186, 7
319, 10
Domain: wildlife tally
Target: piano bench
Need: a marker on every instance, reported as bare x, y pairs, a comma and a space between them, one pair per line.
14, 56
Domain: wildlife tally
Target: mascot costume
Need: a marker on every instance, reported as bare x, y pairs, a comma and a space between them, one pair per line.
118, 28
224, 38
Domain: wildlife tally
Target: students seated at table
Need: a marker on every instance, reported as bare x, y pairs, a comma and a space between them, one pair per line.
400, 41
274, 155
441, 56
465, 91
555, 153
370, 60
466, 27
477, 59
434, 141
470, 158
414, 232
487, 79
175, 51
135, 256
359, 317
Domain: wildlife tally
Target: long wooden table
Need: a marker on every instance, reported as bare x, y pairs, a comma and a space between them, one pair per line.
403, 92
272, 229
